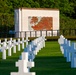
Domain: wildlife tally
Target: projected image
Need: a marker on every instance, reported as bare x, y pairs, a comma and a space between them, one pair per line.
40, 23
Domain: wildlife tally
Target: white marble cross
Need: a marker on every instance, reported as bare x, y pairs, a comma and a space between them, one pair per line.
23, 66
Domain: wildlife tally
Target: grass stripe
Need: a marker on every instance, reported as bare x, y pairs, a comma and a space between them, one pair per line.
50, 61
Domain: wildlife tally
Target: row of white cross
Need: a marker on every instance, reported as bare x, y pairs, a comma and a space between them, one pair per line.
8, 45
68, 49
26, 59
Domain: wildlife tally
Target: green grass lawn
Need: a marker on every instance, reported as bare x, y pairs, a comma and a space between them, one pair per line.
7, 66
49, 61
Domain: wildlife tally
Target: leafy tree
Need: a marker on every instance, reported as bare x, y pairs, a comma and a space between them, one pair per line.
67, 10
66, 7
74, 6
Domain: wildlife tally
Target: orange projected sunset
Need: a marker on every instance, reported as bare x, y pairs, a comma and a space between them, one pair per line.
42, 23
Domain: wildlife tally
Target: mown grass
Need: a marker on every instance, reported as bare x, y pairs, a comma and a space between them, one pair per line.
49, 61
7, 66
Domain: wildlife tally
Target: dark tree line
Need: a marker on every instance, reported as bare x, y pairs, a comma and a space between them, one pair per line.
67, 7
67, 11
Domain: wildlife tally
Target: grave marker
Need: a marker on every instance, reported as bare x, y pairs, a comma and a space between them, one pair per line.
69, 51
26, 59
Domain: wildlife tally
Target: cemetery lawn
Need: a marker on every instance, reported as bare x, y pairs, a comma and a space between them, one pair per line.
49, 61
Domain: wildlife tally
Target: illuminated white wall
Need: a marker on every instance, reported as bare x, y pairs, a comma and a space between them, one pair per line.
22, 14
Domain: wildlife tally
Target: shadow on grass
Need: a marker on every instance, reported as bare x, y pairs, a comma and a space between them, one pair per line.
52, 66
55, 65
7, 66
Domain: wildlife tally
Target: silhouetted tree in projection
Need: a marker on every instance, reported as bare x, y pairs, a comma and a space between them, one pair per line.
44, 24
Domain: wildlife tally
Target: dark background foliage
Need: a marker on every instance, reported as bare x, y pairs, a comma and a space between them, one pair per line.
67, 11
